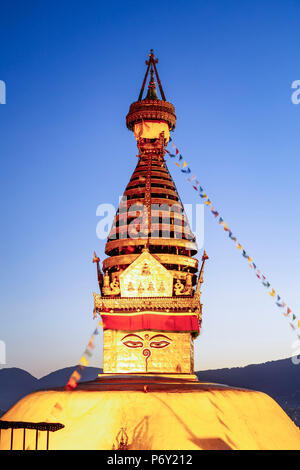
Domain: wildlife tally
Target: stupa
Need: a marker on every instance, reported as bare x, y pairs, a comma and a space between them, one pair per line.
148, 396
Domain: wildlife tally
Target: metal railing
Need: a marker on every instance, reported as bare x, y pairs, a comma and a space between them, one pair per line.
47, 427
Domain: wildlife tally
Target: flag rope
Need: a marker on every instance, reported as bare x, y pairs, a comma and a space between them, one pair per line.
76, 375
84, 360
192, 179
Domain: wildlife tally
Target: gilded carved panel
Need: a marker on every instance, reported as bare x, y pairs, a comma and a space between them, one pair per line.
146, 277
147, 351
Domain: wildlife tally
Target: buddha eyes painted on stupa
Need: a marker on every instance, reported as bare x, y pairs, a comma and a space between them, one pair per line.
133, 340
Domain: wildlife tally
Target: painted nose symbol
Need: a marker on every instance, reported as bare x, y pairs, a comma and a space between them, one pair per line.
147, 354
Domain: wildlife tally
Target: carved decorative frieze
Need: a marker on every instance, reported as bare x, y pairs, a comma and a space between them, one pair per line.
135, 304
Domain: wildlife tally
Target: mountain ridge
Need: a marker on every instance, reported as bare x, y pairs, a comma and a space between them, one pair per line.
280, 379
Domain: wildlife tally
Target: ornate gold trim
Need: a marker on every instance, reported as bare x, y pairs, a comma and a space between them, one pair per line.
180, 305
141, 190
167, 227
156, 110
137, 182
161, 257
177, 242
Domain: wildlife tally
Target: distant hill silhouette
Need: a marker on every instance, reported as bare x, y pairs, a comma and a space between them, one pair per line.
15, 383
279, 379
60, 377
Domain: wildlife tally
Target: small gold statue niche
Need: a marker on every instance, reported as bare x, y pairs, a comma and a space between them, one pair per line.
187, 289
111, 287
145, 270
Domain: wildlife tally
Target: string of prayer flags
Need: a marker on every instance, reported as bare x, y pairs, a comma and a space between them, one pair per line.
84, 360
294, 321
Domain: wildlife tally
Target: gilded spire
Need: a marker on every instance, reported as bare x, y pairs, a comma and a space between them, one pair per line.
151, 107
148, 306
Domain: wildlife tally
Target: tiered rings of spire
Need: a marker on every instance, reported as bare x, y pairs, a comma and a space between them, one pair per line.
166, 230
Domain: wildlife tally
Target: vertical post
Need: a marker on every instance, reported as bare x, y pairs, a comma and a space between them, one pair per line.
36, 439
24, 431
11, 438
159, 83
144, 82
47, 439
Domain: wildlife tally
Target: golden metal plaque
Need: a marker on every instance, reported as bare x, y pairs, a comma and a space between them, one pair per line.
146, 277
147, 351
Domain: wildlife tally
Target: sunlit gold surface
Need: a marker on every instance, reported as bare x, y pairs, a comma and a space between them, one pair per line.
209, 419
163, 258
147, 351
151, 130
188, 304
146, 277
189, 245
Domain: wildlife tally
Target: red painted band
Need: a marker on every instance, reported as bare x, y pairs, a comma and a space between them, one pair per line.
151, 322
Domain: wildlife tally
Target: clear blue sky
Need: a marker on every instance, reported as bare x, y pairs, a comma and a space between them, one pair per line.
72, 68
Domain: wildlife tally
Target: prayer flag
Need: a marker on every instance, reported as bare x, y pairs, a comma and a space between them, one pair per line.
88, 353
71, 384
76, 376
83, 361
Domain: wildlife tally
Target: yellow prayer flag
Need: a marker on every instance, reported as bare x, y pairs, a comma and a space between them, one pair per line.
184, 164
272, 294
76, 376
83, 361
177, 164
